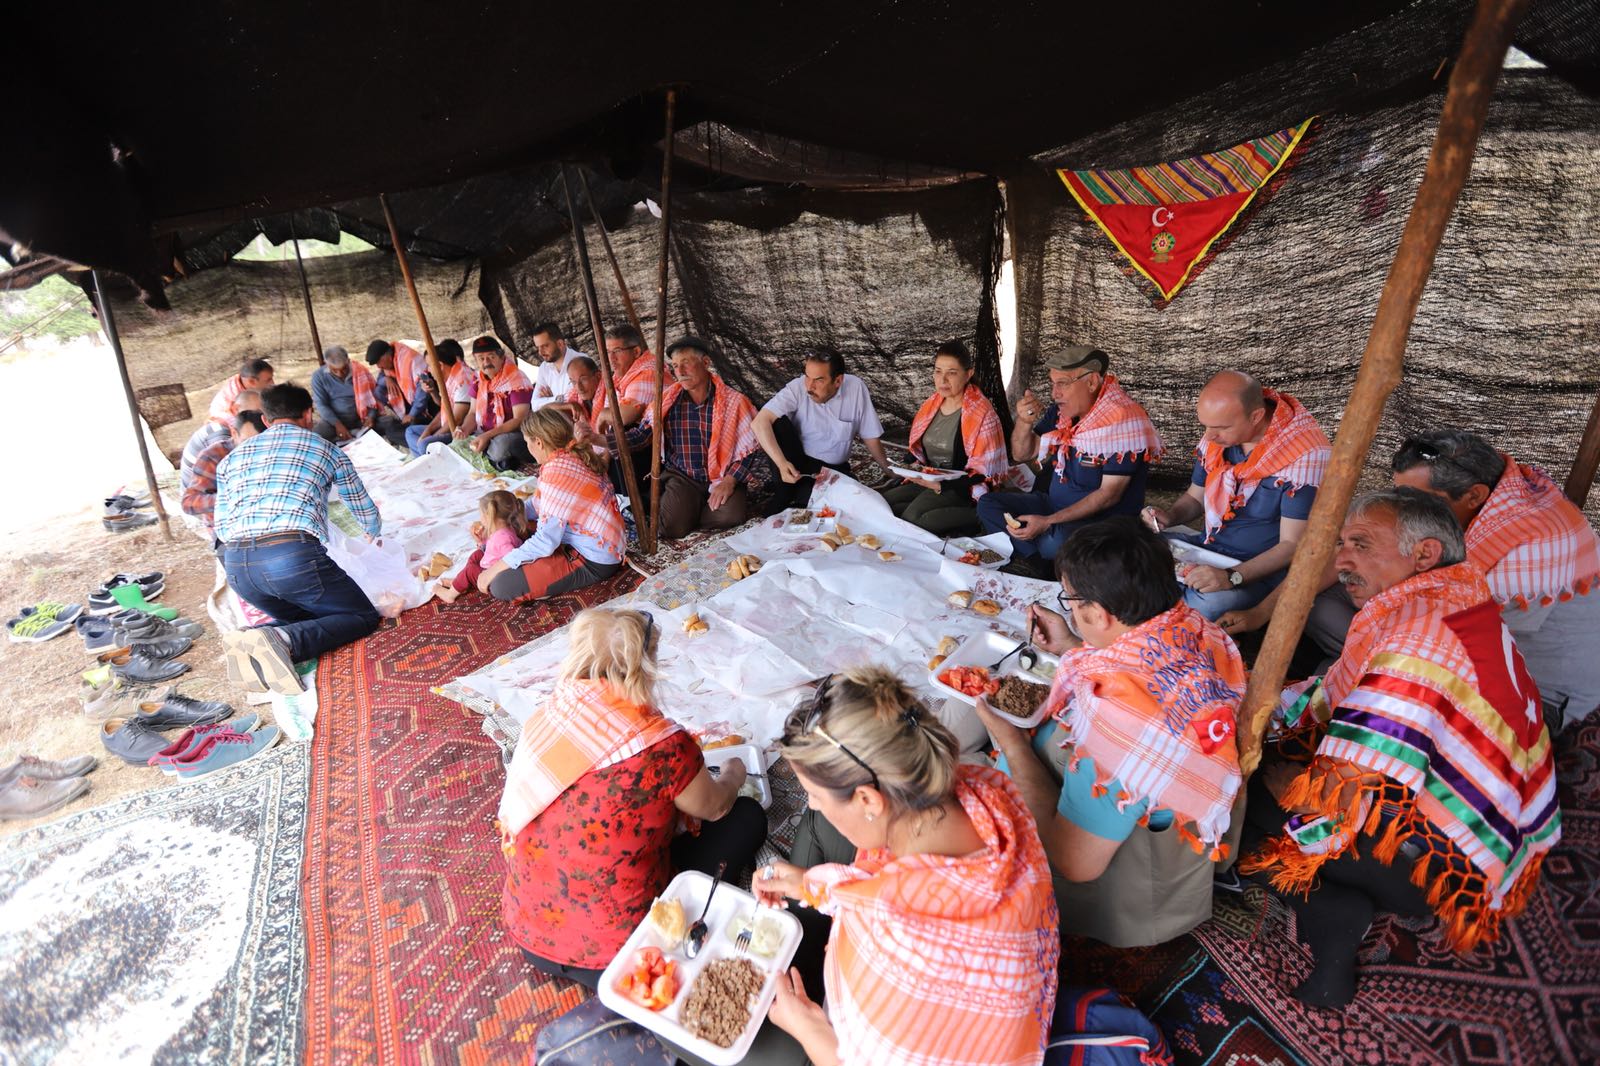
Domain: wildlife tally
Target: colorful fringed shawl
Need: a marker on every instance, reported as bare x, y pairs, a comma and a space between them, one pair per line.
493, 402
936, 959
733, 433
575, 495
1155, 711
981, 436
365, 389
1116, 427
1433, 734
1535, 546
1294, 450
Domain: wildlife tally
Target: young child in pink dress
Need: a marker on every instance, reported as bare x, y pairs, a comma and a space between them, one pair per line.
503, 526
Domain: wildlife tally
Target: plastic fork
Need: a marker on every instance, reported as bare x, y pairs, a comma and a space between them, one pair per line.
697, 931
741, 943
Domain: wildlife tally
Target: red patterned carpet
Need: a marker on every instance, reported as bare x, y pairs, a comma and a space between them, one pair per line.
407, 959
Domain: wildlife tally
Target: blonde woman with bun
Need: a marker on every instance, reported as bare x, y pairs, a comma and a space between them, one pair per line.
593, 795
578, 538
944, 943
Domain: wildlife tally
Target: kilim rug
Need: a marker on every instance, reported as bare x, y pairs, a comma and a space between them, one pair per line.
164, 928
408, 959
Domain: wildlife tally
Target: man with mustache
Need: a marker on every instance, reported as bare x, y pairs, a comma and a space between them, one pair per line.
1428, 743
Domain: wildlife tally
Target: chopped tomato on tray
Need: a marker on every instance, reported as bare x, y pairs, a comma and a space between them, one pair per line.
970, 681
827, 512
651, 981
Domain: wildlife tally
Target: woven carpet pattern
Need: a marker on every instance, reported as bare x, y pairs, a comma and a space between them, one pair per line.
408, 961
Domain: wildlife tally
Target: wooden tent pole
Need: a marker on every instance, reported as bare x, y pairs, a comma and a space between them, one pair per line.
447, 410
616, 270
108, 324
624, 453
1581, 479
305, 293
661, 315
1466, 104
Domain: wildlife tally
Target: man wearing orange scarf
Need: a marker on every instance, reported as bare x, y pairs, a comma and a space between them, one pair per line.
504, 398
1432, 783
710, 458
1134, 785
1094, 445
1256, 472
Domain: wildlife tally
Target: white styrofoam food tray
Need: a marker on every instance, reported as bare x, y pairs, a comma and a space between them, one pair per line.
728, 905
815, 526
956, 547
937, 475
1193, 555
751, 756
983, 649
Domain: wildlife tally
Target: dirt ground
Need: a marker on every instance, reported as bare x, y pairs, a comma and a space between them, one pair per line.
41, 692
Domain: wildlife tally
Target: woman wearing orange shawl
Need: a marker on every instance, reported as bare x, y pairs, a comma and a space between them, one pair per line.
944, 941
594, 791
956, 429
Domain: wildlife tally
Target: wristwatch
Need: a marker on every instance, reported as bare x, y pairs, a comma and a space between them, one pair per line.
1235, 578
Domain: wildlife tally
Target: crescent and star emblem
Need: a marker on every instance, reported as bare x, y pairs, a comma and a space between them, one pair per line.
1155, 217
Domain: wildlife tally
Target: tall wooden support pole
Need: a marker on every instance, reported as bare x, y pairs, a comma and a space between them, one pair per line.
624, 453
661, 315
447, 410
616, 270
109, 325
305, 294
1466, 103
1581, 479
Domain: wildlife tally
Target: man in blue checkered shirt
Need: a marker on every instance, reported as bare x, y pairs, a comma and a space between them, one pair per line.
271, 519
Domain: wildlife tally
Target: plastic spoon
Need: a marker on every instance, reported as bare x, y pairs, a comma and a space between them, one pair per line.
697, 931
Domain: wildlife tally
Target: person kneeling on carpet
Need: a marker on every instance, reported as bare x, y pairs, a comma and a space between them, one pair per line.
1432, 784
578, 538
501, 527
599, 781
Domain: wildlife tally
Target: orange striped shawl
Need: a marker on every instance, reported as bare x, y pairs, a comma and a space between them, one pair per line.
1155, 711
1535, 546
1113, 428
981, 436
459, 382
1294, 450
509, 379
583, 726
224, 405
409, 362
366, 391
637, 386
572, 493
733, 434
941, 960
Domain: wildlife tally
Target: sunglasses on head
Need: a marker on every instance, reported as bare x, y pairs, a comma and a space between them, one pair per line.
807, 719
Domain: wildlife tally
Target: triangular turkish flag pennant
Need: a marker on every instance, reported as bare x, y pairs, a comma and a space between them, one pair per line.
1165, 218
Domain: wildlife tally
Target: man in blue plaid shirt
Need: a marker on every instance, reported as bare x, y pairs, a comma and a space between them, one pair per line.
271, 519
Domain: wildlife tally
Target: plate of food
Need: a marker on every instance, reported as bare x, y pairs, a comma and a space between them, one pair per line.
974, 552
1014, 692
755, 785
927, 473
1186, 554
806, 522
711, 1005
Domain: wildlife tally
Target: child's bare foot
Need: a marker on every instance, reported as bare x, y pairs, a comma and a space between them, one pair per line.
445, 591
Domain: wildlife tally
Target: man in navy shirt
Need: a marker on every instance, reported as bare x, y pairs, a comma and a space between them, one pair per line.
1094, 445
1256, 472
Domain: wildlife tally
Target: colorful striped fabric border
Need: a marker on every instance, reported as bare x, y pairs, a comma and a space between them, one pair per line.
1242, 168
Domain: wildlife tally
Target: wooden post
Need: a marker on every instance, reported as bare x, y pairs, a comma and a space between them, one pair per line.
616, 270
447, 409
305, 293
624, 453
1466, 104
109, 325
1581, 479
661, 317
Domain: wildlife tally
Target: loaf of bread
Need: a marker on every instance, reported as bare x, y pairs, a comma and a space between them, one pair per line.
695, 624
988, 607
961, 599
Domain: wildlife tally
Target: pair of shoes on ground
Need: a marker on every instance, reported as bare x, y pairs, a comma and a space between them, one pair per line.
32, 786
135, 737
124, 502
173, 709
42, 621
124, 512
130, 591
206, 749
129, 629
259, 659
148, 664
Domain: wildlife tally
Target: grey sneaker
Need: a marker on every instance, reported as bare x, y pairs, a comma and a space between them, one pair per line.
157, 629
131, 741
260, 660
47, 769
97, 633
230, 749
140, 669
26, 798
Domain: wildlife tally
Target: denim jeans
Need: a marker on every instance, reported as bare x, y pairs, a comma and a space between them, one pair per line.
318, 606
419, 443
994, 506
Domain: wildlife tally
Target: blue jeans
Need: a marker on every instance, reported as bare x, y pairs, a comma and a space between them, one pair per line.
318, 606
1216, 604
419, 444
994, 506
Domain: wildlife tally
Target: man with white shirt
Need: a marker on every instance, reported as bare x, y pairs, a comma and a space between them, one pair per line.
550, 381
810, 423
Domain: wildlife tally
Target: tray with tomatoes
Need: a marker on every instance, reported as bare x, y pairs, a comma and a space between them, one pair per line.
965, 673
649, 979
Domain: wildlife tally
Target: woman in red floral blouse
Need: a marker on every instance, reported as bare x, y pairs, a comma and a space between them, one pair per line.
593, 796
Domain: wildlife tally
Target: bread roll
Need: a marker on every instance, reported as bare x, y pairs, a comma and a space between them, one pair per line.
868, 541
695, 624
988, 607
1011, 521
889, 557
961, 599
667, 918
831, 543
946, 646
936, 662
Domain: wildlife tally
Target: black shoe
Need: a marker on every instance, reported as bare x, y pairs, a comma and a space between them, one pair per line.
123, 521
141, 669
176, 710
1228, 881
